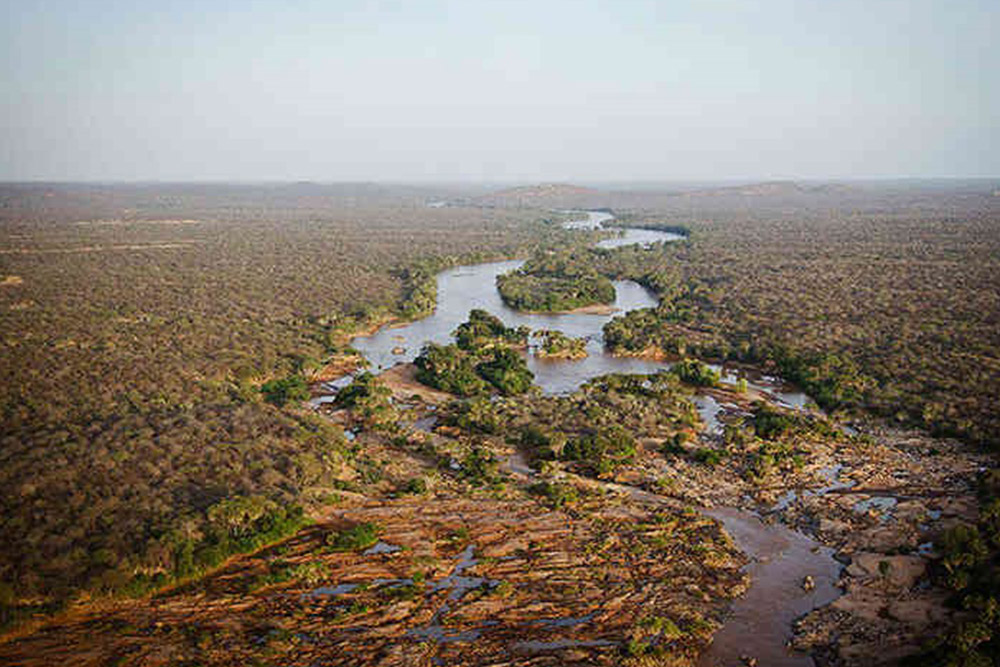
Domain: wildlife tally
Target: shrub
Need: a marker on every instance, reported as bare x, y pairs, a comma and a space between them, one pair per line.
769, 423
556, 493
710, 457
479, 467
285, 390
506, 371
603, 451
695, 372
483, 329
357, 537
540, 443
369, 400
416, 486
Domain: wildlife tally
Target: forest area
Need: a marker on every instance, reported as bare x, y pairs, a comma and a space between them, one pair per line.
159, 344
885, 299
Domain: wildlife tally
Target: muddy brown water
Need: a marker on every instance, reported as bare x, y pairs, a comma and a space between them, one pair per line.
760, 623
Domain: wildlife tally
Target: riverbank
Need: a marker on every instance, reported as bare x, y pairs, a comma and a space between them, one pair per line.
561, 355
402, 381
592, 309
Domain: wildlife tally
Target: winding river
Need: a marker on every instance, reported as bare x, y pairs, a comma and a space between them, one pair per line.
464, 288
759, 624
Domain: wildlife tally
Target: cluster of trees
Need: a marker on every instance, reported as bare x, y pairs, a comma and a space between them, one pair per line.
481, 361
693, 371
640, 331
555, 344
601, 452
418, 296
451, 369
484, 329
834, 381
368, 400
556, 281
776, 439
233, 526
592, 427
282, 391
970, 567
506, 371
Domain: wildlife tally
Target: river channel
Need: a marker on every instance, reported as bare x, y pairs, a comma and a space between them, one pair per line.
759, 624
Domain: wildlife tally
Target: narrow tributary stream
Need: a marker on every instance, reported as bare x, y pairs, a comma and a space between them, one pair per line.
780, 558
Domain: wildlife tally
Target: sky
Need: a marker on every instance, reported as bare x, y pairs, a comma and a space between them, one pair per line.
575, 90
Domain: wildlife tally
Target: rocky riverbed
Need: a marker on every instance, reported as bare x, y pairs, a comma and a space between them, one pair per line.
878, 499
450, 581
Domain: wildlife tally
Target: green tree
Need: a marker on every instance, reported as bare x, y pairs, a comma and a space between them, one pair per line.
285, 390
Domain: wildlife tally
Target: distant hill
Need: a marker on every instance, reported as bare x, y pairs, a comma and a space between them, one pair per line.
543, 194
568, 195
771, 189
545, 190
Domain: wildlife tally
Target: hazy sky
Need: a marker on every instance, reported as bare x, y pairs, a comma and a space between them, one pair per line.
507, 90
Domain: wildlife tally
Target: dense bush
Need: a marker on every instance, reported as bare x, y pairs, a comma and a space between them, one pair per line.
482, 362
557, 345
483, 329
970, 567
368, 400
695, 372
451, 369
355, 538
285, 390
843, 292
601, 452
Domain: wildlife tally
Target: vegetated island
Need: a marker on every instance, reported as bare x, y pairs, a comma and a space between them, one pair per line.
557, 282
554, 344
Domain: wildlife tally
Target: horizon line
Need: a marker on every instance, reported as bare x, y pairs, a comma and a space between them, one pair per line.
503, 181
